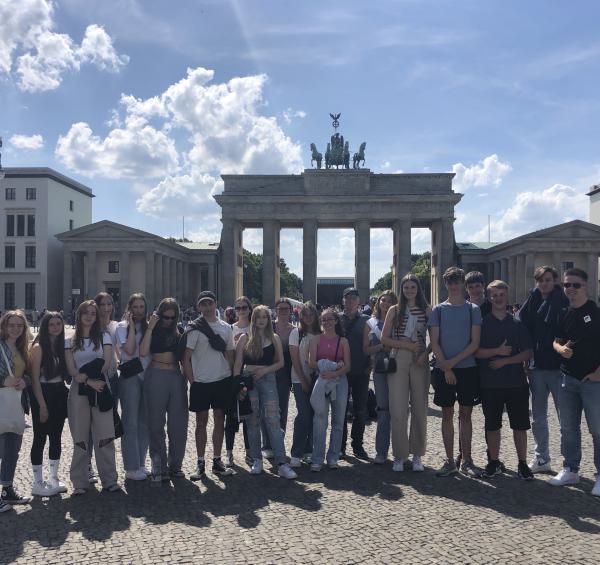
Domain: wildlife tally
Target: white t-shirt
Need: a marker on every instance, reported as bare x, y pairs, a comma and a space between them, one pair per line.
88, 353
122, 339
238, 332
303, 348
111, 330
208, 364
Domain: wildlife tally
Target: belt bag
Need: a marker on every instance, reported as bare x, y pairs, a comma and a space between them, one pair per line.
131, 368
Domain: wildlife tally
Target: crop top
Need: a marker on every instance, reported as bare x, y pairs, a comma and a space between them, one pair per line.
164, 340
268, 354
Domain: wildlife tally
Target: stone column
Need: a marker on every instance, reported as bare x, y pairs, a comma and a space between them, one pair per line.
271, 274
187, 298
91, 274
592, 271
149, 278
124, 274
362, 259
512, 279
402, 251
173, 278
529, 269
211, 279
445, 246
310, 234
520, 279
232, 262
158, 280
179, 284
504, 270
165, 277
68, 280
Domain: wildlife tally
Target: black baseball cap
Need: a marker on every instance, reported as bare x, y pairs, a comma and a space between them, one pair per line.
206, 294
350, 290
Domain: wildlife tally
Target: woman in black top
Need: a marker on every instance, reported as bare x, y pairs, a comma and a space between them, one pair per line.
165, 391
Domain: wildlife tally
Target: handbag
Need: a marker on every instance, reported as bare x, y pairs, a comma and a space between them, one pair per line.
131, 368
12, 417
385, 363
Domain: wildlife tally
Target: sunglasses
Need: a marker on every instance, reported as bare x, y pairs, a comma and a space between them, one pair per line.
238, 308
576, 286
328, 320
168, 317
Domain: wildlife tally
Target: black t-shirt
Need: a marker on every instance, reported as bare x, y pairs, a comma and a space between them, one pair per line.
581, 326
486, 308
353, 331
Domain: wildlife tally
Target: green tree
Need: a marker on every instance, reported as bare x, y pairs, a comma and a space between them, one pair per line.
420, 266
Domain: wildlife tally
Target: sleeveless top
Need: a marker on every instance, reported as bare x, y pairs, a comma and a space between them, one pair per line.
267, 357
285, 345
326, 347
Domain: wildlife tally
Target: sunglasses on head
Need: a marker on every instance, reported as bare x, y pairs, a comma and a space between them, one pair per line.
576, 286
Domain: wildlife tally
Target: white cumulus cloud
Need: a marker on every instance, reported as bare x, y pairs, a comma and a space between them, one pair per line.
27, 142
39, 55
534, 210
490, 171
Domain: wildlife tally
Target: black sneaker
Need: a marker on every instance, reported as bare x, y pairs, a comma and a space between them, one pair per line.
360, 453
492, 468
219, 468
4, 506
12, 496
176, 474
199, 472
524, 471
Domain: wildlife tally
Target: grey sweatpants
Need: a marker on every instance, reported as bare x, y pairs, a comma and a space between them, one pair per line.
86, 421
165, 393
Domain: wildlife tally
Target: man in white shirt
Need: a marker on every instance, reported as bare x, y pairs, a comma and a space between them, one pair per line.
207, 364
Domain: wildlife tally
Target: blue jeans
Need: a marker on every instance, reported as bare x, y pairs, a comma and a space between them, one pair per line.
10, 445
284, 386
382, 436
542, 383
576, 396
303, 432
134, 443
265, 408
320, 403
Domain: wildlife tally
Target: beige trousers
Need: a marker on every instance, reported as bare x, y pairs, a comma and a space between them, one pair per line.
82, 419
408, 389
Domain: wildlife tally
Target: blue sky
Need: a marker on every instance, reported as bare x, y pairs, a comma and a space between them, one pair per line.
148, 104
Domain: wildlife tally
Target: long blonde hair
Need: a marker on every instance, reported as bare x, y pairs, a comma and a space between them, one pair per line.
23, 341
254, 346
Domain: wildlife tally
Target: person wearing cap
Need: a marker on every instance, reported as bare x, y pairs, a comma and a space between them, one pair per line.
353, 325
207, 363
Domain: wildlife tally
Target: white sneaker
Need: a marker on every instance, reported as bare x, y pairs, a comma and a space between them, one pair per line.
398, 465
42, 489
57, 485
257, 467
268, 453
295, 462
137, 475
564, 477
286, 472
379, 459
539, 466
417, 465
596, 489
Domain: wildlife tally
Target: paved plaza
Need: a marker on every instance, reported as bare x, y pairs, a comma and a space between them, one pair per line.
360, 513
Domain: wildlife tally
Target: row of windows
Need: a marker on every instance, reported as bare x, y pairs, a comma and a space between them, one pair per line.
19, 220
11, 193
9, 256
9, 296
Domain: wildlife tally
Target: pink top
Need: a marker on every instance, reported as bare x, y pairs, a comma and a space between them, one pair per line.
326, 348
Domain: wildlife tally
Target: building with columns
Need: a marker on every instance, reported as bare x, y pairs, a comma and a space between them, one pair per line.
572, 244
321, 198
110, 257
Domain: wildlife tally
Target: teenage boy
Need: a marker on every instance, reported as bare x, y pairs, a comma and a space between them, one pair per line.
540, 314
455, 329
475, 286
578, 343
353, 324
207, 364
504, 347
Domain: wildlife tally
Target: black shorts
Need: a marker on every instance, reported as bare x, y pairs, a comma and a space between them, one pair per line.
516, 400
466, 389
217, 395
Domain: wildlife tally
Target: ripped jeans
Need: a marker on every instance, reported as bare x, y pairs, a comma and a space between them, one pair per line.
265, 407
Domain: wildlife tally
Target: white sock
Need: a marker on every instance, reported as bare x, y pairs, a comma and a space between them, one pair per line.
38, 473
53, 464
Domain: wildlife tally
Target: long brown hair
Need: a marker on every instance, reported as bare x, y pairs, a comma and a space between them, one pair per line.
23, 341
377, 308
420, 300
315, 328
338, 324
53, 354
254, 346
95, 329
98, 299
144, 321
169, 304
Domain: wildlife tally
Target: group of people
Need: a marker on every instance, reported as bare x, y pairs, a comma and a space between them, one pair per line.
469, 347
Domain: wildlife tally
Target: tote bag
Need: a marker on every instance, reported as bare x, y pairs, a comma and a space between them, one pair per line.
12, 417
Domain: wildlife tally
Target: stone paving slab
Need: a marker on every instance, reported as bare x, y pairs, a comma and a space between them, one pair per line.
360, 513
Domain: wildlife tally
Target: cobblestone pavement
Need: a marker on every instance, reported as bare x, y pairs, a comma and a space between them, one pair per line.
360, 513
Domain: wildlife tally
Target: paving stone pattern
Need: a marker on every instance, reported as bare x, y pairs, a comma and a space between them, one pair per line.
360, 513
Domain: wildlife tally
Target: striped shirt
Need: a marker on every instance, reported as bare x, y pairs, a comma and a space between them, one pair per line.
421, 323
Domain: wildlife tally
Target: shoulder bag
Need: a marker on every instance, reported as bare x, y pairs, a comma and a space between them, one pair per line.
12, 417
